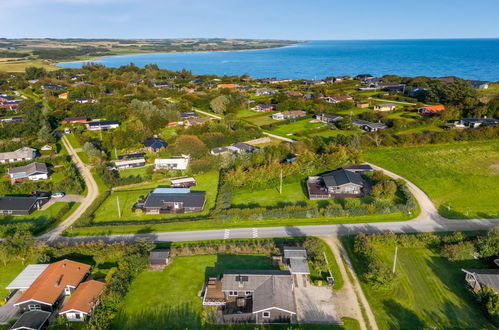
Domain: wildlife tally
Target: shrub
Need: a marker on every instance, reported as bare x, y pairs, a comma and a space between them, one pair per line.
459, 251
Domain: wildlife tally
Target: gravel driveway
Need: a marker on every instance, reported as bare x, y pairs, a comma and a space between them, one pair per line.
315, 304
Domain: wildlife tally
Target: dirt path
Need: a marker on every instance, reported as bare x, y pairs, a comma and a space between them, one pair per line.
93, 192
351, 295
208, 114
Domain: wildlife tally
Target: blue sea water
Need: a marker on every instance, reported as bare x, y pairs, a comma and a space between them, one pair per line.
465, 58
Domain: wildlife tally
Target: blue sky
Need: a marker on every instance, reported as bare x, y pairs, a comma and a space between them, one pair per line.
276, 19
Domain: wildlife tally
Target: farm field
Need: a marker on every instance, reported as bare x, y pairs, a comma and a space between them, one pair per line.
21, 65
462, 179
108, 211
429, 291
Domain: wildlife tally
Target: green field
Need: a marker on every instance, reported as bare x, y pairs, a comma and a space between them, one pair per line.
291, 193
429, 292
108, 211
296, 127
21, 65
462, 179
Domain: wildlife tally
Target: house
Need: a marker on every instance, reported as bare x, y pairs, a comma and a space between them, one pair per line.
32, 320
385, 107
296, 259
264, 107
11, 105
253, 296
16, 119
197, 121
58, 280
5, 98
159, 257
183, 182
328, 118
25, 278
431, 109
174, 163
46, 147
337, 99
136, 155
414, 91
172, 200
477, 122
164, 85
477, 279
227, 85
129, 163
21, 205
52, 86
154, 144
63, 96
34, 172
362, 105
289, 114
368, 126
74, 120
294, 93
82, 302
265, 91
393, 88
84, 101
188, 115
103, 125
20, 155
359, 168
478, 84
236, 148
340, 183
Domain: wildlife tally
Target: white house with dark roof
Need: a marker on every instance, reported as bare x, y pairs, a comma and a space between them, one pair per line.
179, 163
477, 279
20, 155
340, 183
34, 172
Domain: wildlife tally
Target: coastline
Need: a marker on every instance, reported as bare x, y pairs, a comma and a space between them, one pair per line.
175, 52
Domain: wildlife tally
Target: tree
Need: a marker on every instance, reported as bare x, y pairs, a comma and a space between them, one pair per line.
345, 123
219, 104
190, 145
46, 135
33, 72
385, 190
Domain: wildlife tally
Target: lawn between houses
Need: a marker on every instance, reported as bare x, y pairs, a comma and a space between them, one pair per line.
462, 179
170, 298
428, 292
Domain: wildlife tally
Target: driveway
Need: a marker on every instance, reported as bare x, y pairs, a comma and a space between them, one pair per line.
66, 199
315, 304
8, 311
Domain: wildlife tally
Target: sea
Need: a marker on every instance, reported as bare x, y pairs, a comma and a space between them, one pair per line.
476, 59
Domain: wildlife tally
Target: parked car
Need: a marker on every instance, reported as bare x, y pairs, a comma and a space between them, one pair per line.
58, 195
67, 131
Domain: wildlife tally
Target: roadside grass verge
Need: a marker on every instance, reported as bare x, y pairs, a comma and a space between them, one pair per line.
428, 292
461, 179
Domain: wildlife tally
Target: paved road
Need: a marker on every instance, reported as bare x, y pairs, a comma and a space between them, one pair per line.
93, 192
66, 199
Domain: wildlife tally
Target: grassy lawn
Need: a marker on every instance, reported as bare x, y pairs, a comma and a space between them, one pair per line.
336, 132
291, 193
142, 171
421, 129
9, 272
429, 292
463, 176
21, 65
295, 127
260, 119
175, 290
72, 141
109, 209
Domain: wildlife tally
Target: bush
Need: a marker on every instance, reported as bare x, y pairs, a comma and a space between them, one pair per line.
459, 251
490, 302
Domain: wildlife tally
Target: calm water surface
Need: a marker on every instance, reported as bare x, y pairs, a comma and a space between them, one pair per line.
466, 58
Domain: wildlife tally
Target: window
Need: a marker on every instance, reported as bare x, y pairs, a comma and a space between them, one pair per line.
266, 315
248, 293
77, 316
34, 307
233, 293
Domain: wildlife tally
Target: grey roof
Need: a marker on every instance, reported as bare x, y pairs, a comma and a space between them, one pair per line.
245, 147
17, 203
30, 169
24, 152
171, 190
32, 320
360, 123
271, 288
361, 167
488, 277
159, 256
192, 199
294, 252
482, 121
103, 123
341, 177
27, 276
299, 266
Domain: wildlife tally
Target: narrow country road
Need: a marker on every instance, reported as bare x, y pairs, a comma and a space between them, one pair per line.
279, 137
208, 114
92, 193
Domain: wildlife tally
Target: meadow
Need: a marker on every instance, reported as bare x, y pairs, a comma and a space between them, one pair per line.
429, 291
461, 179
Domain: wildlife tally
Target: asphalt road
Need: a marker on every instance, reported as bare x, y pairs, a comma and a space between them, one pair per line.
92, 193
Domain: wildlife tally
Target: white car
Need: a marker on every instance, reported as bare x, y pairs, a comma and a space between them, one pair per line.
58, 195
67, 131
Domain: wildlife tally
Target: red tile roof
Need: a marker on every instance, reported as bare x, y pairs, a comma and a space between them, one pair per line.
84, 298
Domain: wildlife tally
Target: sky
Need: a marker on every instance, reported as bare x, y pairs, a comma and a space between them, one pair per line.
256, 19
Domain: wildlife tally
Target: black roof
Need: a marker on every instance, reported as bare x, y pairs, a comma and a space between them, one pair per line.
188, 114
341, 177
17, 203
245, 147
155, 142
363, 167
132, 156
103, 123
192, 199
32, 320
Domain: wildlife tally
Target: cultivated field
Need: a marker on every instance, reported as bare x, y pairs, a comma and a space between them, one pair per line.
462, 179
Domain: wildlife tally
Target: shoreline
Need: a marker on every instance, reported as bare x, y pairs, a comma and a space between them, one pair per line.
175, 52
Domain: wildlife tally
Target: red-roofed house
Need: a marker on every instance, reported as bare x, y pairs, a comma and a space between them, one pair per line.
83, 301
57, 280
431, 109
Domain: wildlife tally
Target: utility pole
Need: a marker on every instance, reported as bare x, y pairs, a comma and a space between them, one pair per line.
395, 259
119, 209
280, 183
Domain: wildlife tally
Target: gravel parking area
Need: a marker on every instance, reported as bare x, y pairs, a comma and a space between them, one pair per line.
314, 304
